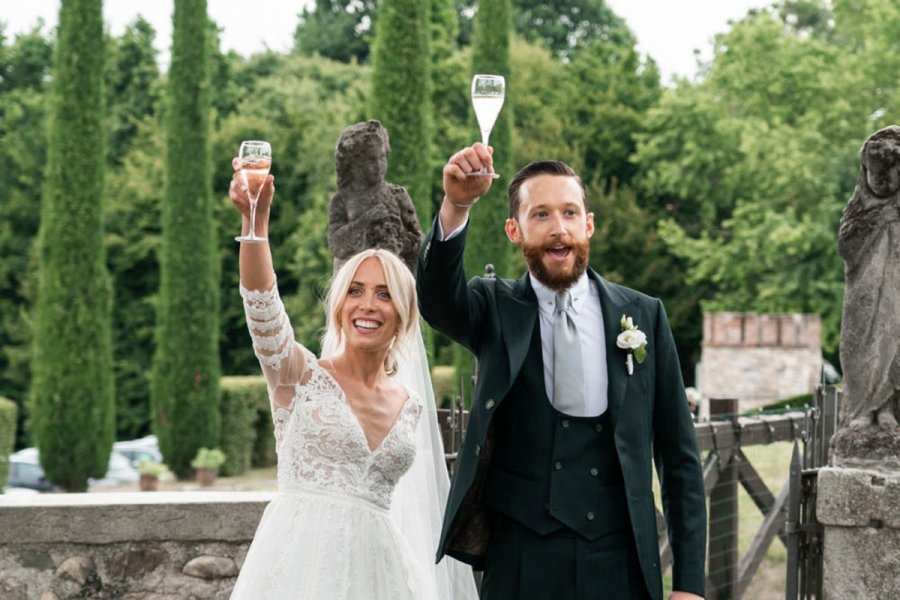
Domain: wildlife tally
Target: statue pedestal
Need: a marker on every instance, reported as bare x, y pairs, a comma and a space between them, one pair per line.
858, 504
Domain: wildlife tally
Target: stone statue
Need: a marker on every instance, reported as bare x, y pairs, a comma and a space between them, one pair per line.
366, 211
869, 243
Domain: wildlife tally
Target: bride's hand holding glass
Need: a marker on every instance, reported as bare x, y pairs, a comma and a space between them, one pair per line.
254, 162
239, 193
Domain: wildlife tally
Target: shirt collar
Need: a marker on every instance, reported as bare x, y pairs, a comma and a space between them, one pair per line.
547, 298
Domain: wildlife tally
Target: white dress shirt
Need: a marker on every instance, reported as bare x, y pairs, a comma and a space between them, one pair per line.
588, 319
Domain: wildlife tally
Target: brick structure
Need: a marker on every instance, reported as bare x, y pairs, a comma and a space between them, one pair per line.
759, 358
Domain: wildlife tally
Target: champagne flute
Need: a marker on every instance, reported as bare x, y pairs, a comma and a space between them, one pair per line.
487, 99
256, 160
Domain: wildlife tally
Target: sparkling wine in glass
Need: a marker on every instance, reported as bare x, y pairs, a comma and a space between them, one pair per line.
487, 99
256, 160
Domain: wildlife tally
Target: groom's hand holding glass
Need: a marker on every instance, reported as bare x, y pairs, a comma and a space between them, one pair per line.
460, 190
240, 197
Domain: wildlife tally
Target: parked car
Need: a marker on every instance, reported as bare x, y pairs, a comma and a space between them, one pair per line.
137, 450
119, 471
25, 472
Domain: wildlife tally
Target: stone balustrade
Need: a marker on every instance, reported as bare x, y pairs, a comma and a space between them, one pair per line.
136, 546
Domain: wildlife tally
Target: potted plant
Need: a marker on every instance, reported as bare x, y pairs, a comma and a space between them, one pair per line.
206, 465
150, 471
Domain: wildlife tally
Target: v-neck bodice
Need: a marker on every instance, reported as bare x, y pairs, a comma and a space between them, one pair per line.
343, 395
323, 445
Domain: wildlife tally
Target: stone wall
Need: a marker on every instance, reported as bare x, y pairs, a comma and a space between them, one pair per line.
858, 510
759, 358
136, 546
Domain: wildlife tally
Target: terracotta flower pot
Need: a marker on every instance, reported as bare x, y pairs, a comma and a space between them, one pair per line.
206, 477
149, 483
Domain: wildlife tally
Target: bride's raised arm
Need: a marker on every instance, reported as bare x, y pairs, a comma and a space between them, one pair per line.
282, 359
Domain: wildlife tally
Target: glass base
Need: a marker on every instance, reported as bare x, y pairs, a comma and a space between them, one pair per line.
251, 239
483, 173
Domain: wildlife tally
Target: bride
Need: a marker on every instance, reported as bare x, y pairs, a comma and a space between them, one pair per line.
361, 475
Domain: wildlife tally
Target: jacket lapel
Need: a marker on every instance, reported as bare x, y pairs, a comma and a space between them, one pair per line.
518, 313
613, 305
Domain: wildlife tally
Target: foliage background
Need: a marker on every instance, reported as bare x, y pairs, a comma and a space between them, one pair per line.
720, 191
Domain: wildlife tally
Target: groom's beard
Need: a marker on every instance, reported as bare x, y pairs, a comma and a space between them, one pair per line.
561, 277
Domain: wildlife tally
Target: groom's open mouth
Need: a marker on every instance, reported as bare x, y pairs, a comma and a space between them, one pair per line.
558, 253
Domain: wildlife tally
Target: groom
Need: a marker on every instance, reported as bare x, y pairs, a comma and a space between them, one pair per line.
578, 383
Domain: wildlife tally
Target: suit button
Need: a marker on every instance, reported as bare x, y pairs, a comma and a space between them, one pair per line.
594, 471
599, 427
489, 404
477, 449
557, 465
565, 422
590, 516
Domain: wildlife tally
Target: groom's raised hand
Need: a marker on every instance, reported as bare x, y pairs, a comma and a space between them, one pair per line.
461, 191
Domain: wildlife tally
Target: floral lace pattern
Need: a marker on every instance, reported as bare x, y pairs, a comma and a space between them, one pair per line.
319, 441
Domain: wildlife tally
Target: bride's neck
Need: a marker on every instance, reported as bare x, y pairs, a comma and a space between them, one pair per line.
365, 367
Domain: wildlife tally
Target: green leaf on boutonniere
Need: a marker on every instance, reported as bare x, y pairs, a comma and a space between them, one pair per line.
640, 354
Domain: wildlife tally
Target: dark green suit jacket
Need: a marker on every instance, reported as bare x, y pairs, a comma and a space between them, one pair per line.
649, 410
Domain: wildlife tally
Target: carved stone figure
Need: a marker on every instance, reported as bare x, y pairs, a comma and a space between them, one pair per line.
367, 211
869, 243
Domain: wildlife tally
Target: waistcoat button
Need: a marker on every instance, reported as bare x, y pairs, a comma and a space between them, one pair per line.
557, 465
590, 516
594, 471
599, 427
565, 423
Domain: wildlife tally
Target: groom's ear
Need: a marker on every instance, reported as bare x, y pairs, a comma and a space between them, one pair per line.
512, 231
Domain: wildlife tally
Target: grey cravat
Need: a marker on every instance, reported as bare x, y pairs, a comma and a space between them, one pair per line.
568, 376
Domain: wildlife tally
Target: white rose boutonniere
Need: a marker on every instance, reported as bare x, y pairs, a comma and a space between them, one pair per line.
633, 341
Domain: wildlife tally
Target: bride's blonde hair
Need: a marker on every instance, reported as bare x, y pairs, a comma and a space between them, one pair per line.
402, 288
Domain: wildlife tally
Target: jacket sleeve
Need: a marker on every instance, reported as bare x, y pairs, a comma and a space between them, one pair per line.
678, 464
445, 300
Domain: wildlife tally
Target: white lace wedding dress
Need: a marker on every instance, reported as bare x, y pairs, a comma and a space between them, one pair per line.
328, 533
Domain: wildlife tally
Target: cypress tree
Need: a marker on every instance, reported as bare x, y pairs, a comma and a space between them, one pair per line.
73, 411
487, 242
185, 379
400, 96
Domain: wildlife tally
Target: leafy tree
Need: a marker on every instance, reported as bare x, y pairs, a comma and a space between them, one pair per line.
341, 30
609, 89
133, 243
626, 248
24, 72
72, 391
186, 366
755, 162
563, 26
401, 95
132, 85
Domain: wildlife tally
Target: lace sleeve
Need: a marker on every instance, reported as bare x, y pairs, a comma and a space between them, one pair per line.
280, 356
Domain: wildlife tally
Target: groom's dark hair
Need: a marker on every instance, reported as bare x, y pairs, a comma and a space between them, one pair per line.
540, 167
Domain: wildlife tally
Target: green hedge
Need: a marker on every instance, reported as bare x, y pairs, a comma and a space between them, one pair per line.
243, 403
8, 414
445, 384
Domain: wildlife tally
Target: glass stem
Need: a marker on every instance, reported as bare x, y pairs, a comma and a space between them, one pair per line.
253, 219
